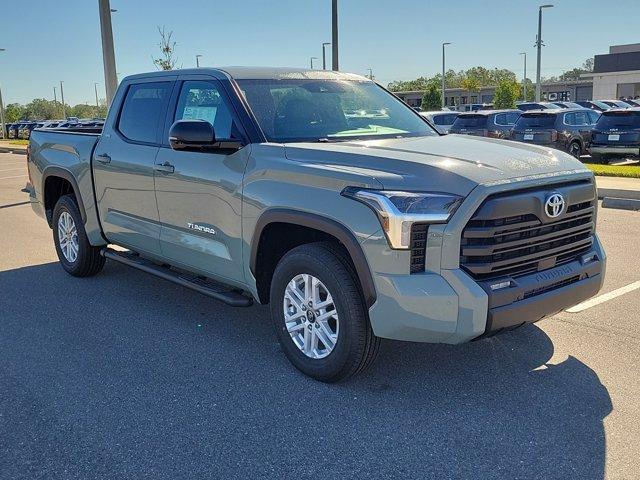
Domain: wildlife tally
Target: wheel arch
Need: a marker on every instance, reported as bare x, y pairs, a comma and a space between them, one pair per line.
54, 185
325, 226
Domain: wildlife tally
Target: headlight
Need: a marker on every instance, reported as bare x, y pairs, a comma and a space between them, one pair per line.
397, 211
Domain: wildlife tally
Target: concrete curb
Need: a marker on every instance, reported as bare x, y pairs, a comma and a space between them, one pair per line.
621, 203
19, 151
618, 193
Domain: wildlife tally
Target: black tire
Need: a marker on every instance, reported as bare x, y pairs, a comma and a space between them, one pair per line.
356, 347
599, 159
575, 149
88, 261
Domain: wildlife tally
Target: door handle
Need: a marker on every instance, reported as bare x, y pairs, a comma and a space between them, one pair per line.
103, 158
164, 167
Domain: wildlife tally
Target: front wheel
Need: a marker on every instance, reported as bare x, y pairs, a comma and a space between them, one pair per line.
77, 256
319, 314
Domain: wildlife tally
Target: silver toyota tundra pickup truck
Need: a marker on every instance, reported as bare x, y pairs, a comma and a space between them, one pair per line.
323, 195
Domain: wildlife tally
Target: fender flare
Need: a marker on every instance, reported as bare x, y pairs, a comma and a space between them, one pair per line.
54, 171
323, 224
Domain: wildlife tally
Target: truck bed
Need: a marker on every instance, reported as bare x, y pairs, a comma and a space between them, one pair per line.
64, 153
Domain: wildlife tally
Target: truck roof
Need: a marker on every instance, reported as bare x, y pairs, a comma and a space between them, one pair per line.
257, 73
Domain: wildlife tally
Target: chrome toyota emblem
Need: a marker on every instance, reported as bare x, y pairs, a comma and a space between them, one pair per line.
554, 206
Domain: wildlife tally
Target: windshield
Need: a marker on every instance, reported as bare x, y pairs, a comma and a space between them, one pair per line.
535, 121
619, 120
323, 110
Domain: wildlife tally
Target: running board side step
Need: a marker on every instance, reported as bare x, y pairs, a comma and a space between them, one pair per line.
200, 284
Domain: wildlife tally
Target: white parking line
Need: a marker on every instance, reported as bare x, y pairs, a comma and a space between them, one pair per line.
17, 176
604, 298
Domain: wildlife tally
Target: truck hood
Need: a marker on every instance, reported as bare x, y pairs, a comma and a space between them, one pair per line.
451, 163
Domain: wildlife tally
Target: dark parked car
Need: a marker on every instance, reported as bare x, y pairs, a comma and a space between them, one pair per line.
617, 103
568, 130
441, 120
565, 105
616, 135
14, 129
486, 123
25, 130
528, 106
596, 105
635, 102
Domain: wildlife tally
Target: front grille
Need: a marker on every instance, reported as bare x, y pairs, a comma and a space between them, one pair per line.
418, 247
522, 244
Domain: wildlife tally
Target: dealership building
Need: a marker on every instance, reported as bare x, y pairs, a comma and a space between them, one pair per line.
615, 75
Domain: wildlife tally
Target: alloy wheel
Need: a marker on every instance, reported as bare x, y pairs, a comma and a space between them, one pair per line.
310, 316
68, 237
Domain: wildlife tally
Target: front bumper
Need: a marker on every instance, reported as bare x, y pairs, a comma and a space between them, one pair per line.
454, 308
444, 304
543, 294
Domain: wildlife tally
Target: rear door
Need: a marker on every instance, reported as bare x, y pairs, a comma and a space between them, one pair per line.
200, 193
123, 164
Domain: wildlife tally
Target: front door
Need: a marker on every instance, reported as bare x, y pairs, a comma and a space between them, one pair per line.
199, 194
123, 166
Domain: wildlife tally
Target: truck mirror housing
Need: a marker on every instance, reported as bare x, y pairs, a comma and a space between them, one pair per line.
192, 135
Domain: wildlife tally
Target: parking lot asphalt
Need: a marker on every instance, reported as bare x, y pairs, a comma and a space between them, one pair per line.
126, 376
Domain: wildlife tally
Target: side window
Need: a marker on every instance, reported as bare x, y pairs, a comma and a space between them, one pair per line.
582, 119
201, 100
500, 119
570, 118
440, 120
512, 118
142, 109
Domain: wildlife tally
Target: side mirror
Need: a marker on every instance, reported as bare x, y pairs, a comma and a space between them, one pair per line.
192, 135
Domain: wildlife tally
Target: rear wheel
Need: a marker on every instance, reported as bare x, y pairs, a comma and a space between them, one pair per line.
319, 314
77, 256
575, 149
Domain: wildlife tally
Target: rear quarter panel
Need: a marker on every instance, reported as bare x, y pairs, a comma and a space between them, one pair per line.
67, 155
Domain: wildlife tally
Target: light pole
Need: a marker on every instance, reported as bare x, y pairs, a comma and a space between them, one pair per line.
312, 59
95, 88
64, 111
324, 55
198, 61
443, 70
524, 77
334, 35
108, 55
539, 45
2, 124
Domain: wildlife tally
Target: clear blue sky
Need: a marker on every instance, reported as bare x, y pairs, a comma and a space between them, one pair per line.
48, 41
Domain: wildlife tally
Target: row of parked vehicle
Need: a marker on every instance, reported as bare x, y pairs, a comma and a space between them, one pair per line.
600, 129
23, 128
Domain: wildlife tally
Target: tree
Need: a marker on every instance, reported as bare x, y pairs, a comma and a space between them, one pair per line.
506, 94
167, 49
472, 84
432, 99
42, 109
84, 110
14, 112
